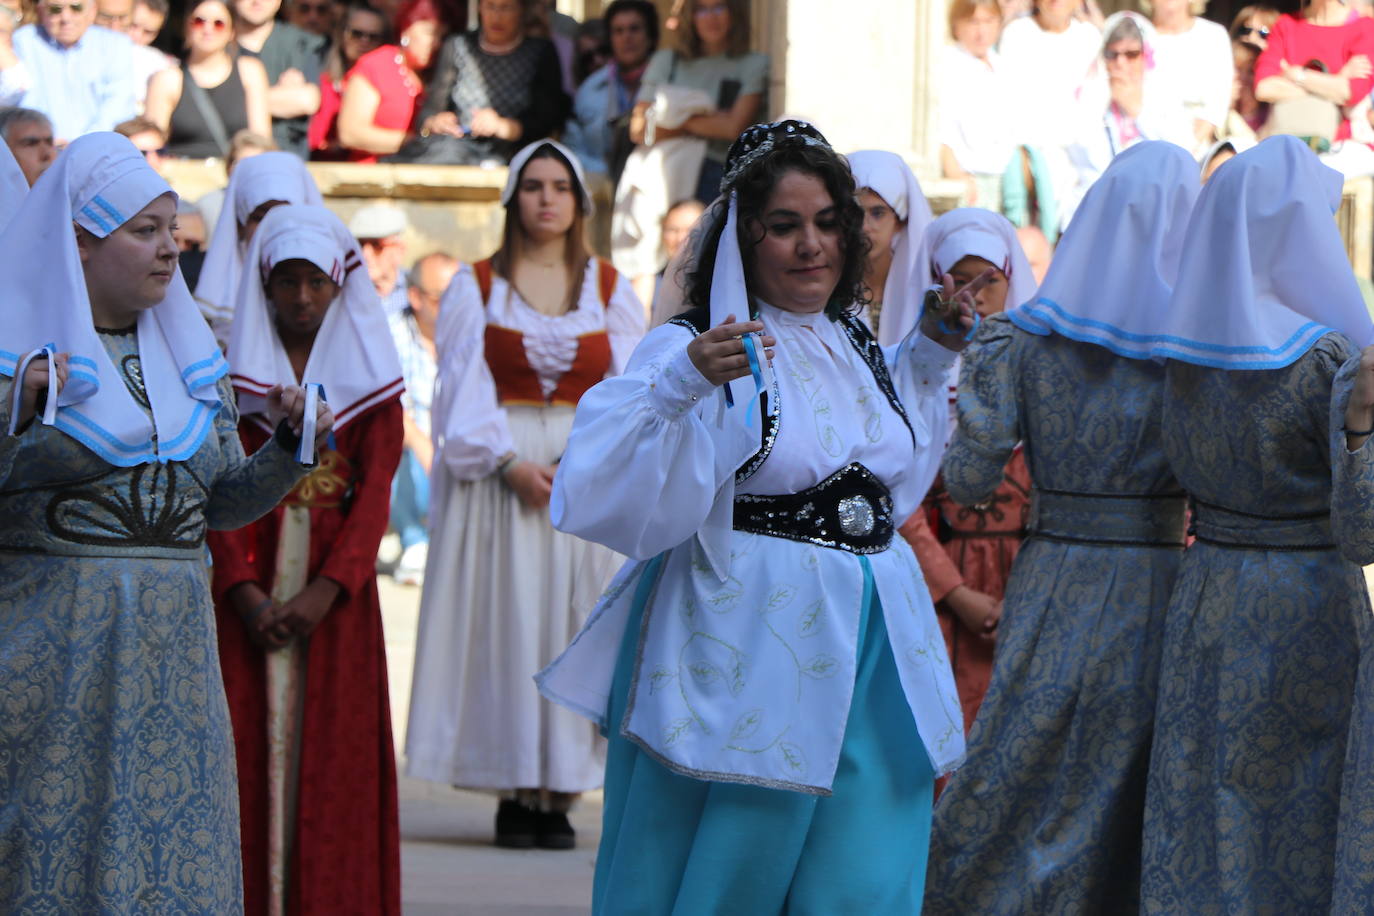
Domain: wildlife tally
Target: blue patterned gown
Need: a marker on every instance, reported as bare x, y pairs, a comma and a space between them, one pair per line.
1045, 815
1260, 648
117, 789
1352, 522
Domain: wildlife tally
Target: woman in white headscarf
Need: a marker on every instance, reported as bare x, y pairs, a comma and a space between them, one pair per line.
966, 551
1267, 620
300, 622
521, 337
1045, 815
258, 184
119, 450
896, 214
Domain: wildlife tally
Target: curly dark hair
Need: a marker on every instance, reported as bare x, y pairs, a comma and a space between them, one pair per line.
753, 187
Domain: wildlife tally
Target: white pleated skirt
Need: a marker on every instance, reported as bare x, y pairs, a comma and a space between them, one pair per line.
504, 594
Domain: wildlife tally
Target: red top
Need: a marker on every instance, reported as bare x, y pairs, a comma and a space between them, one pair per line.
401, 92
324, 123
1298, 41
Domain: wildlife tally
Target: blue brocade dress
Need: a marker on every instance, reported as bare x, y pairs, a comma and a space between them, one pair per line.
1045, 815
117, 789
1261, 648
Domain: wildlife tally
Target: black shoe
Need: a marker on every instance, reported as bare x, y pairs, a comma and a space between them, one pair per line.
555, 832
516, 825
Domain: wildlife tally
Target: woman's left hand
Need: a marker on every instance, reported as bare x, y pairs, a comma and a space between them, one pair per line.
951, 324
487, 123
287, 402
302, 614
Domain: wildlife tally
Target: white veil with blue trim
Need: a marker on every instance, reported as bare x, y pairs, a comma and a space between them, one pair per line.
101, 181
1114, 270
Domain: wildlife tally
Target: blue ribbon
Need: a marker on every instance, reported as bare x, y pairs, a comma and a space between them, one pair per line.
977, 320
756, 370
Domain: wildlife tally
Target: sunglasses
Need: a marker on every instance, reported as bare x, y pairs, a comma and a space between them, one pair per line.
1133, 54
214, 25
57, 9
360, 35
1248, 30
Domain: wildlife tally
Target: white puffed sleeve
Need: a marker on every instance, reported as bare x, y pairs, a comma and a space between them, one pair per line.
647, 459
920, 370
624, 324
470, 429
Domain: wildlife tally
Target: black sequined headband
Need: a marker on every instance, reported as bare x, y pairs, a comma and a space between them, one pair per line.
761, 139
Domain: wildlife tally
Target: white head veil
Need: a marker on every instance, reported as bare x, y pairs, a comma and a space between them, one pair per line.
1264, 272
353, 359
887, 175
1115, 267
981, 233
100, 182
256, 180
13, 186
520, 159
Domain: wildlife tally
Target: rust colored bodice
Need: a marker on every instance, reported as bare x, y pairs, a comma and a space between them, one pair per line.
518, 383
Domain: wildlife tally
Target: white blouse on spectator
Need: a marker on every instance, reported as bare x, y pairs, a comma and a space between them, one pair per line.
470, 426
978, 115
1194, 71
1048, 70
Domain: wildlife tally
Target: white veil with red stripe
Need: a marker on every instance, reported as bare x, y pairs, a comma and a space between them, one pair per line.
353, 358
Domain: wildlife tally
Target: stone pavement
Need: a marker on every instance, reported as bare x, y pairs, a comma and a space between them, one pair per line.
448, 865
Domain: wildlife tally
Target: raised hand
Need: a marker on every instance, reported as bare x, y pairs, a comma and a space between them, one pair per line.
950, 313
719, 353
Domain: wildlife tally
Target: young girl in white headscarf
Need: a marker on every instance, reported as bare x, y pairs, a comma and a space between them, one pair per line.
1045, 815
521, 337
118, 449
1268, 619
896, 214
258, 184
966, 551
300, 624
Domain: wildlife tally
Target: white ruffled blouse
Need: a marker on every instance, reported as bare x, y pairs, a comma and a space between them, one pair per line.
747, 660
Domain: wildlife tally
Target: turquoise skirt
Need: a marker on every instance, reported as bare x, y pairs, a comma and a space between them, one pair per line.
671, 844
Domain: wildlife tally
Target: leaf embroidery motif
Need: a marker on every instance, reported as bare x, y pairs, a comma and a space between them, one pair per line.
821, 666
676, 729
747, 724
792, 757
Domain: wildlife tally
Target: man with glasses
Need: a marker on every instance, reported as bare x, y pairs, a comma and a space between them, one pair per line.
28, 134
317, 17
141, 23
598, 130
81, 75
293, 59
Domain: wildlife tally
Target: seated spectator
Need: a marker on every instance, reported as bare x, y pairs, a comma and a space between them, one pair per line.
226, 92
147, 137
1193, 69
560, 29
1252, 25
599, 129
141, 20
591, 49
977, 103
1122, 109
1247, 114
1038, 249
385, 88
379, 229
189, 235
1048, 56
14, 77
493, 90
1317, 63
361, 29
412, 330
79, 74
314, 16
28, 134
293, 60
677, 227
714, 57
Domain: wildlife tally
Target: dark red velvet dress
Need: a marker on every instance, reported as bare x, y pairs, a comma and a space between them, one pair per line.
347, 840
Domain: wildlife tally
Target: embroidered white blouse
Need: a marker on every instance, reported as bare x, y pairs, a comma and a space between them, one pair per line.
470, 428
747, 657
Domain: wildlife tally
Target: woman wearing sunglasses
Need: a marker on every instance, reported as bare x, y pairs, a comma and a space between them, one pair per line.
226, 92
1122, 106
361, 29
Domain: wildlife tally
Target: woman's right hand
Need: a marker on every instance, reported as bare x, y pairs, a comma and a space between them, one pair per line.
445, 122
532, 482
35, 383
719, 353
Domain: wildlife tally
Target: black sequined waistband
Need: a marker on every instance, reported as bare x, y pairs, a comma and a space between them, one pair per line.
850, 510
1223, 527
1107, 519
